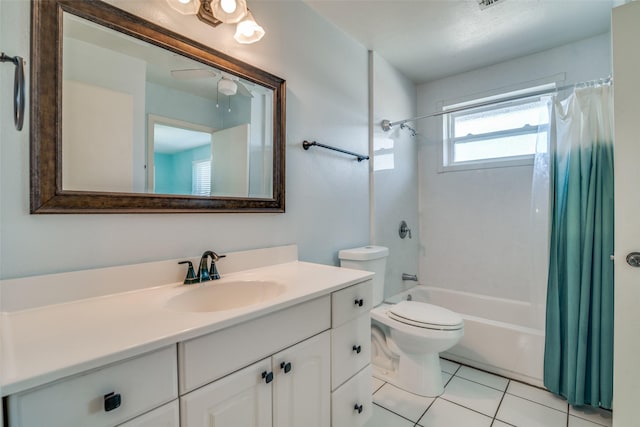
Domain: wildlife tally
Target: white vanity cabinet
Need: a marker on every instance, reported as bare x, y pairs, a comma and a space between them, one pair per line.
300, 365
235, 377
289, 389
139, 385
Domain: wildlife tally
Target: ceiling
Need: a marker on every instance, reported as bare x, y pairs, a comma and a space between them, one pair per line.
430, 39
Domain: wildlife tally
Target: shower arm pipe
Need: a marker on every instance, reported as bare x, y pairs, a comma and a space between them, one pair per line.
18, 88
388, 125
306, 145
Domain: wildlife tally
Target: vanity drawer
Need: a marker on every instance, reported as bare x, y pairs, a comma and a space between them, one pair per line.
351, 302
143, 384
350, 349
351, 404
207, 358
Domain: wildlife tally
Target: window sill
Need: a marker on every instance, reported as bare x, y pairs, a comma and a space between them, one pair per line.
488, 164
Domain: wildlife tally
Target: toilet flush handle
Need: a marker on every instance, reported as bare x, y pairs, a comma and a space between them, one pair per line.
359, 302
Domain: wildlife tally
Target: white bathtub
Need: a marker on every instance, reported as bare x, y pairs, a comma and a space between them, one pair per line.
496, 336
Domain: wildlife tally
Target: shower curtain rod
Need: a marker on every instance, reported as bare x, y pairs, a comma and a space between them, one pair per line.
387, 125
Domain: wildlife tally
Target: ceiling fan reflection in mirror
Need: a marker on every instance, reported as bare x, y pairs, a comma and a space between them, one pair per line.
227, 84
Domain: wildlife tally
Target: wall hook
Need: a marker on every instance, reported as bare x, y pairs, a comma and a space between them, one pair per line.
18, 88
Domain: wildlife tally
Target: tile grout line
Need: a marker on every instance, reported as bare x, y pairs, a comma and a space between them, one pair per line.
466, 407
493, 388
425, 411
394, 413
538, 403
501, 399
378, 389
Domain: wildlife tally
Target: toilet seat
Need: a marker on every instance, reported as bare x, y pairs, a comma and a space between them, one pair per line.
425, 315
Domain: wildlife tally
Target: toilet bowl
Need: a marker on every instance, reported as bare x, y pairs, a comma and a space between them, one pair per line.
407, 337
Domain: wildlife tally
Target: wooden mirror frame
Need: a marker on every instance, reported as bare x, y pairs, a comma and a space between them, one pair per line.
47, 194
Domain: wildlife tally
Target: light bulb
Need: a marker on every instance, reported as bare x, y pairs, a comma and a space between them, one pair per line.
185, 1
228, 6
228, 11
246, 29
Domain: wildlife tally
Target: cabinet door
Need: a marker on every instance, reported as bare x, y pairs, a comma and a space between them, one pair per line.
164, 416
240, 399
302, 384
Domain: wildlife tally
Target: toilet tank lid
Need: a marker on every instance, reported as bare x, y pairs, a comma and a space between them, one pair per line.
364, 253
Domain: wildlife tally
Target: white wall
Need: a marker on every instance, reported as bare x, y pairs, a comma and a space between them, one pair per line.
327, 194
395, 189
474, 225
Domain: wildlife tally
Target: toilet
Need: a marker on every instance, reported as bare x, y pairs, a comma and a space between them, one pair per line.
406, 337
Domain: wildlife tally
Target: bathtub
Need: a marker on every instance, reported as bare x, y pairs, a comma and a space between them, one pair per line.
497, 336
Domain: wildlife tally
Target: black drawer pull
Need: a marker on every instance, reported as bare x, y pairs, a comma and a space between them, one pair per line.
358, 408
268, 376
286, 367
112, 401
357, 349
359, 302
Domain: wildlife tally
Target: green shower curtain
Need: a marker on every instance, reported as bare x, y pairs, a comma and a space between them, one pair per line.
578, 358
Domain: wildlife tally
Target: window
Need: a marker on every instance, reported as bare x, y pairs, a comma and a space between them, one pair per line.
500, 134
201, 177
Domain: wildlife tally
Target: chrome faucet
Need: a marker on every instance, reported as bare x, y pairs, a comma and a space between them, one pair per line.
205, 273
209, 273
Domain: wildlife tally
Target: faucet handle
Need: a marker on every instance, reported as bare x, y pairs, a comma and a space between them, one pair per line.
216, 257
191, 274
213, 270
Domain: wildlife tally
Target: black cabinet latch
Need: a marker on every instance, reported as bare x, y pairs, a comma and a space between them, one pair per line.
286, 367
268, 376
112, 401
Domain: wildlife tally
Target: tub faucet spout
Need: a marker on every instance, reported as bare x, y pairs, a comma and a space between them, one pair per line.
413, 277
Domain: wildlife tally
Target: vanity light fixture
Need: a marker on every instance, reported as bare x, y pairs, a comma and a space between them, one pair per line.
248, 31
229, 11
216, 12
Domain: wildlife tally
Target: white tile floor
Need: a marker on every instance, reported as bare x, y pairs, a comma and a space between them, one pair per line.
474, 398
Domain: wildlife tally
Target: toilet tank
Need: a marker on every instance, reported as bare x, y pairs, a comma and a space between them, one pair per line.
368, 258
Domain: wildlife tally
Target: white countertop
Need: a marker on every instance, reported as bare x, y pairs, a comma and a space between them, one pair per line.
44, 344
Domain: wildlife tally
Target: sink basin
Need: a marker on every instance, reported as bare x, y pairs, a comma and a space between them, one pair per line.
214, 296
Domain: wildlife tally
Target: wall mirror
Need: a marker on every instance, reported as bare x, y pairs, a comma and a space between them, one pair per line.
127, 116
